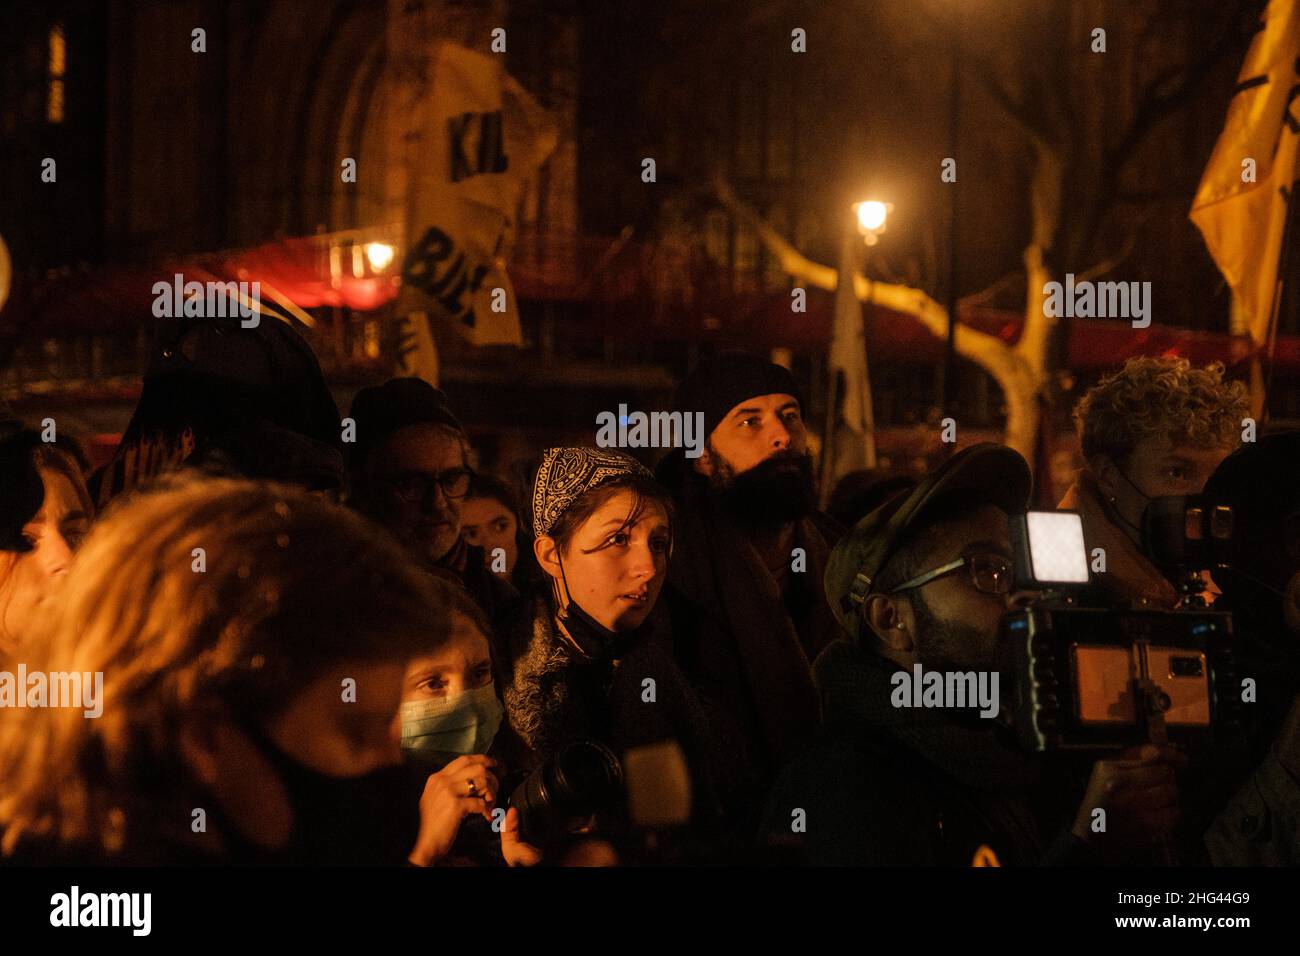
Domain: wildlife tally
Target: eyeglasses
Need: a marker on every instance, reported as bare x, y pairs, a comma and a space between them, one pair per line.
990, 573
416, 487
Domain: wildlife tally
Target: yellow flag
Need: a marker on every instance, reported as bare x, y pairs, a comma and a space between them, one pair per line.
479, 136
1241, 204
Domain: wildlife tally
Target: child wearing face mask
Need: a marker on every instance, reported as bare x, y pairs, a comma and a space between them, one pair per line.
451, 717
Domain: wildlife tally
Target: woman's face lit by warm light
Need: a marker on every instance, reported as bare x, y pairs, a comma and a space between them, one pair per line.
31, 578
614, 568
488, 524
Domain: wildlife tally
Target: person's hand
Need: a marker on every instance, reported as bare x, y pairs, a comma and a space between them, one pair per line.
1139, 793
517, 852
448, 798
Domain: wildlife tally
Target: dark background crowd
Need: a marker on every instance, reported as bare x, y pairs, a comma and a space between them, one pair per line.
330, 638
360, 581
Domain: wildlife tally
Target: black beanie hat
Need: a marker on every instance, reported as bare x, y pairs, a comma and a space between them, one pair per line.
380, 410
718, 384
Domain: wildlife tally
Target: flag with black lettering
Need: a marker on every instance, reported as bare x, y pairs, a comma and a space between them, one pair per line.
477, 138
1242, 203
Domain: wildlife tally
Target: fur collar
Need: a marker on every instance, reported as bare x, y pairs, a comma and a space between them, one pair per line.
551, 691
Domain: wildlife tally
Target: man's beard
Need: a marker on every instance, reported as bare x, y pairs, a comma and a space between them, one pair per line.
949, 646
775, 492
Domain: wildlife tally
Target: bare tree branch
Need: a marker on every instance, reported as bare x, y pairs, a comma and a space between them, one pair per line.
1107, 265
1156, 105
1017, 377
1024, 119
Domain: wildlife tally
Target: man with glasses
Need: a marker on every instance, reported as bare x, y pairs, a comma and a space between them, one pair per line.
925, 580
409, 470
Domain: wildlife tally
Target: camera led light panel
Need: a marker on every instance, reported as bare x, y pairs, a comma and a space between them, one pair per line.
1056, 547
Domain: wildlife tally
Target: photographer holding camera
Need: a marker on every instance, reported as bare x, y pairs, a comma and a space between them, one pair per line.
591, 676
921, 584
1156, 427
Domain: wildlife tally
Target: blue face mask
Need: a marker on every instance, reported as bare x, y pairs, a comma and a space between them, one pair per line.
441, 729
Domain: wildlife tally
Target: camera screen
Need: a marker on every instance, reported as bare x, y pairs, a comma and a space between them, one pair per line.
1056, 547
1103, 677
1103, 684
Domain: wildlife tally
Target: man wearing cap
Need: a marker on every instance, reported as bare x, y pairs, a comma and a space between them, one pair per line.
409, 470
923, 582
748, 613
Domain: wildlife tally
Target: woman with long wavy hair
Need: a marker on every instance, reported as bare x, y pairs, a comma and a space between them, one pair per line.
251, 640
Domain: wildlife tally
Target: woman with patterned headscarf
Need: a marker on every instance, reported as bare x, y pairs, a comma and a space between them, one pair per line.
591, 660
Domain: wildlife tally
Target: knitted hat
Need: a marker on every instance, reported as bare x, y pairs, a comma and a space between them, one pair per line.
381, 410
718, 384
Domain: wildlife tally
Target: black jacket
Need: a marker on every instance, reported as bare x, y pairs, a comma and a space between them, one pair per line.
904, 786
553, 696
736, 640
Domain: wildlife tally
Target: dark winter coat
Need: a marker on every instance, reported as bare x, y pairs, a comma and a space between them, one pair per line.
909, 786
553, 695
734, 635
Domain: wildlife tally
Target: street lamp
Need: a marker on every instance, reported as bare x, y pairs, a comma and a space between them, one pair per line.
380, 255
872, 215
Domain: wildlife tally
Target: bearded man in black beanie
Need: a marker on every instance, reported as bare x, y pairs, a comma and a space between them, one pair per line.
744, 586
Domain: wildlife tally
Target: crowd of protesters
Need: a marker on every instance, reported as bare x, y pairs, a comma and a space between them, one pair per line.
330, 639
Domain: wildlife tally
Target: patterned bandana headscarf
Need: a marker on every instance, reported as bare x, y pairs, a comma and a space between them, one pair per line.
566, 473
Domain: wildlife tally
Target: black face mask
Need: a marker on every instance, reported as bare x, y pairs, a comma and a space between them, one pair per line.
1146, 500
772, 493
369, 819
593, 639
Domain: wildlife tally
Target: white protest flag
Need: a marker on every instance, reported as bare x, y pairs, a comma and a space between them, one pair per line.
1242, 201
474, 142
417, 352
853, 444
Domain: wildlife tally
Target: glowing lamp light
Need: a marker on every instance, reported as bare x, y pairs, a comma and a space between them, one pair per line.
871, 215
379, 255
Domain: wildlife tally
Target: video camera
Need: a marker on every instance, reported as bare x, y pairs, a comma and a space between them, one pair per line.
1091, 675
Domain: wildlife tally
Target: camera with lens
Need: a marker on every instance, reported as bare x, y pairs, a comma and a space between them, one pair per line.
1091, 675
580, 780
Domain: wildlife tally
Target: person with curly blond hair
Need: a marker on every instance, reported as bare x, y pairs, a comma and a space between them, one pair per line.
1156, 427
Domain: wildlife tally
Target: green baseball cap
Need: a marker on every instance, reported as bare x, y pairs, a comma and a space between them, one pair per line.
994, 471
